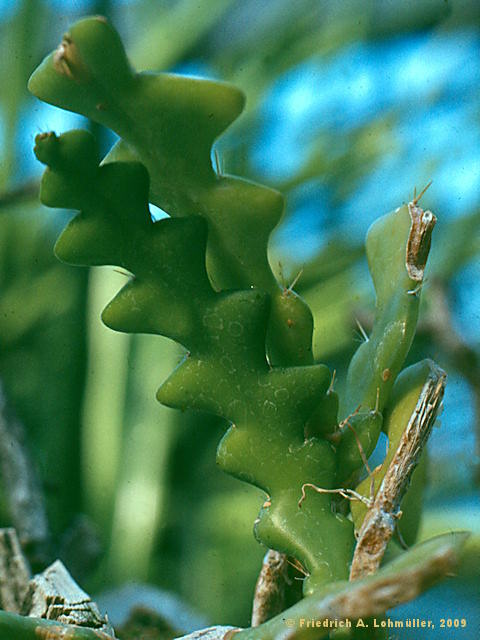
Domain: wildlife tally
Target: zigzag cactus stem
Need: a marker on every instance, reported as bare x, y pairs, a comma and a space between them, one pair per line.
225, 370
202, 278
170, 123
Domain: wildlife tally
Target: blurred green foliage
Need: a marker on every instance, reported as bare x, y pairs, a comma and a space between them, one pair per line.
102, 445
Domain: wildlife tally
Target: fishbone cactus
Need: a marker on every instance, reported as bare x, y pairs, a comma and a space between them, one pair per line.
202, 278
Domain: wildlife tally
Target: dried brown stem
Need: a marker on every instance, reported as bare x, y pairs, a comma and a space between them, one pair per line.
379, 523
269, 596
54, 595
14, 572
419, 239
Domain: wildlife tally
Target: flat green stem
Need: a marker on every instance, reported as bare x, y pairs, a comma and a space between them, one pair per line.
15, 627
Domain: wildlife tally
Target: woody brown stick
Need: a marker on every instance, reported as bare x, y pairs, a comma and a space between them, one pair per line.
379, 523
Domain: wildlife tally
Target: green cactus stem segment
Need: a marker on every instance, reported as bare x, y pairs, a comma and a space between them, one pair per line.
225, 370
16, 627
170, 123
397, 248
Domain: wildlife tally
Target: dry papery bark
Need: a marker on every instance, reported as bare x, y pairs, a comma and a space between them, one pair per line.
50, 595
269, 597
380, 520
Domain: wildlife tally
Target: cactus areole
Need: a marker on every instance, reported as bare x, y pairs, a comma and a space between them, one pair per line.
202, 278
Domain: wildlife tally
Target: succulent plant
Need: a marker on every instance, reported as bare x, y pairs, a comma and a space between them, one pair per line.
202, 278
